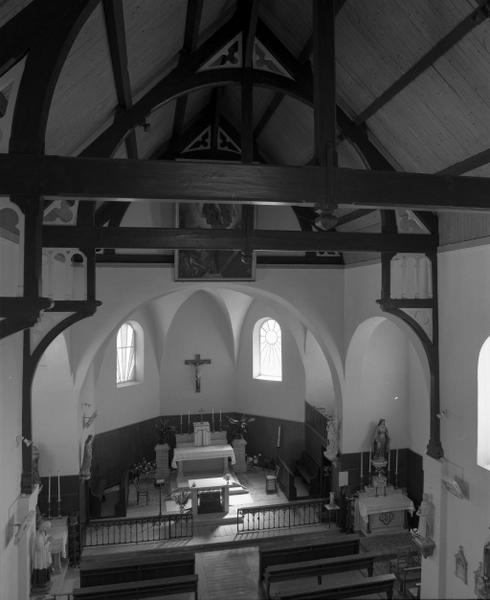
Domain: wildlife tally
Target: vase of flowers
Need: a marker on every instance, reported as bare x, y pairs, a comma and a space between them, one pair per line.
181, 496
143, 470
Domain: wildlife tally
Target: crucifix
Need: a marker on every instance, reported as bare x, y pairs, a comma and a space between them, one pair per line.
196, 362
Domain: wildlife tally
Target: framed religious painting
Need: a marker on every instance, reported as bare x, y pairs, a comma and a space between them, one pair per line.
208, 264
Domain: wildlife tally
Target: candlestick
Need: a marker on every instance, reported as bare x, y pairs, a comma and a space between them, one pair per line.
396, 462
278, 436
49, 490
212, 419
59, 487
362, 468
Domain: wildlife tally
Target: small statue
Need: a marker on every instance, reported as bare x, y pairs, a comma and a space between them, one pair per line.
35, 465
381, 442
87, 458
425, 515
41, 558
332, 448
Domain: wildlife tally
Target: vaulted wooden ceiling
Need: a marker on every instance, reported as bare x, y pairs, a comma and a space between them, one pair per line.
341, 108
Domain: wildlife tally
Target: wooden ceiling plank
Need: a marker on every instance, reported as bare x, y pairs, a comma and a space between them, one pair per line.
353, 216
88, 178
324, 94
114, 20
468, 164
445, 44
60, 236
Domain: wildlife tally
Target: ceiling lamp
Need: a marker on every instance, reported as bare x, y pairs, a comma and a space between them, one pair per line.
326, 220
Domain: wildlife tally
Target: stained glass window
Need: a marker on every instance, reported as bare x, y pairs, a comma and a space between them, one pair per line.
126, 354
268, 350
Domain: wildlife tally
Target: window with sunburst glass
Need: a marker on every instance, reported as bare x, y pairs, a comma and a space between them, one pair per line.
126, 354
267, 350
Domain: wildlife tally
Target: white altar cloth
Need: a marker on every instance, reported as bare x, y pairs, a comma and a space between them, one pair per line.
202, 453
379, 504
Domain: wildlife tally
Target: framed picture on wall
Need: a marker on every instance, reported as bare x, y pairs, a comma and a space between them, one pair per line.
213, 265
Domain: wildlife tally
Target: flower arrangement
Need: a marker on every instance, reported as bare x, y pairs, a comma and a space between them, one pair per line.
180, 496
238, 427
144, 469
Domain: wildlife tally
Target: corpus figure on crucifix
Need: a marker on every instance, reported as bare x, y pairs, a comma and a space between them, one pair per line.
196, 362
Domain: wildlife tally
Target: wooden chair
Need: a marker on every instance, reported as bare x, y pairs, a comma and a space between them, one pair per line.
142, 489
406, 567
271, 481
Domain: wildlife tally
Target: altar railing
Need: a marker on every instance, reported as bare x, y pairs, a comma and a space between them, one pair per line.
103, 532
278, 516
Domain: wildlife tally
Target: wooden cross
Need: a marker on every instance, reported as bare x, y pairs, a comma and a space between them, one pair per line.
196, 362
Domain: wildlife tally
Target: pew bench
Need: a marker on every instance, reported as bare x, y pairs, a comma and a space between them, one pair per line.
135, 566
320, 567
277, 552
152, 588
356, 587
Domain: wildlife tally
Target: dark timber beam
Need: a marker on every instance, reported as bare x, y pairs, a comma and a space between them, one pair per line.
445, 44
168, 259
191, 33
59, 236
87, 178
324, 95
468, 164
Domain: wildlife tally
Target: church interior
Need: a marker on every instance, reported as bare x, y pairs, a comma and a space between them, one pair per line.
244, 270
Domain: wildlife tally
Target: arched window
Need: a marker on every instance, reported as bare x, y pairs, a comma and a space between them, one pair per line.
126, 354
267, 350
483, 442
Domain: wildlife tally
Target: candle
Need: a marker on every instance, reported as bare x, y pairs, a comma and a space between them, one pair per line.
389, 457
181, 420
362, 469
59, 487
396, 462
189, 417
49, 489
279, 436
212, 419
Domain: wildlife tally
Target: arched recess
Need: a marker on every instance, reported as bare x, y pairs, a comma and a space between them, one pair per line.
387, 376
88, 340
483, 373
56, 412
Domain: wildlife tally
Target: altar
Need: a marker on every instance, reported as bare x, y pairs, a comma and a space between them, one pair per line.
382, 514
203, 458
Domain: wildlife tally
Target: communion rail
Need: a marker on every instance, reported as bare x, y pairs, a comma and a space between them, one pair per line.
278, 516
103, 532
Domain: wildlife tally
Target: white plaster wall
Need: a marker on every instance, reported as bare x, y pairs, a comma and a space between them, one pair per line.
55, 412
10, 460
281, 399
464, 324
319, 390
400, 385
199, 327
118, 406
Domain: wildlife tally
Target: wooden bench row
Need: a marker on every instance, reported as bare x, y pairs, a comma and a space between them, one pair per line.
135, 566
356, 588
135, 590
319, 568
276, 552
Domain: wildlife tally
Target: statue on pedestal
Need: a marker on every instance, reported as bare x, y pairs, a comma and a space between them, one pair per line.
425, 515
41, 558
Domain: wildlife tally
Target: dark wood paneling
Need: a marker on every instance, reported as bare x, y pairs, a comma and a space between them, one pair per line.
70, 496
262, 437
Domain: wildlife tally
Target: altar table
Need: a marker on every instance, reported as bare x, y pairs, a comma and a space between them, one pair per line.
383, 514
208, 484
203, 454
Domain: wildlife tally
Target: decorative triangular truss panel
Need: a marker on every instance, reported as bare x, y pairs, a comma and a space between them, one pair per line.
228, 57
264, 60
225, 142
61, 212
202, 141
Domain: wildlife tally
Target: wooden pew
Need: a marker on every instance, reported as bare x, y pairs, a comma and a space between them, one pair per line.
320, 567
135, 590
135, 566
279, 552
355, 588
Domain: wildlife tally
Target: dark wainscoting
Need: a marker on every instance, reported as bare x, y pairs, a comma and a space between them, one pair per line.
409, 471
70, 495
262, 437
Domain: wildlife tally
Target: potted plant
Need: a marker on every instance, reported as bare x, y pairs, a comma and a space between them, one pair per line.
238, 427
